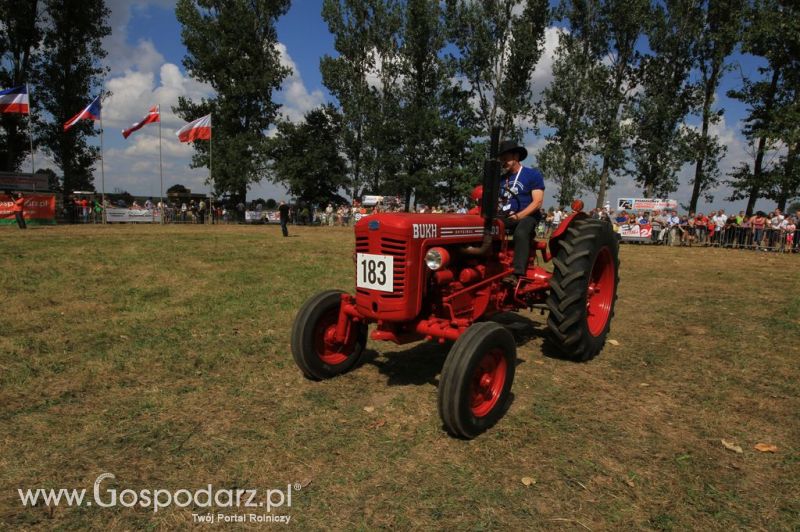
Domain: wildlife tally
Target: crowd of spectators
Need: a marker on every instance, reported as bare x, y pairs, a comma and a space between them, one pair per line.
773, 231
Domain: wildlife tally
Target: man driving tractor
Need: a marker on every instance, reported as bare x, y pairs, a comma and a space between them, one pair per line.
441, 277
523, 190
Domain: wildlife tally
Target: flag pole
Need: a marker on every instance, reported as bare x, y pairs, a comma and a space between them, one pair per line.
161, 165
30, 127
102, 166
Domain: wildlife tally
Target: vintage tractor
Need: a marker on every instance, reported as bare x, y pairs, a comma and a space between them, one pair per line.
440, 277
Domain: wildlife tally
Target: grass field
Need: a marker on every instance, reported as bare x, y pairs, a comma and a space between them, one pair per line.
161, 355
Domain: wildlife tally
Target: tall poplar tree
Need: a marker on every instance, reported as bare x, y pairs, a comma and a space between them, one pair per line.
232, 46
566, 159
661, 144
499, 43
772, 32
351, 22
612, 30
20, 34
431, 107
721, 30
70, 75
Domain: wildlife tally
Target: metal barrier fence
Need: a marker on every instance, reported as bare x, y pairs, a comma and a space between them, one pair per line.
730, 237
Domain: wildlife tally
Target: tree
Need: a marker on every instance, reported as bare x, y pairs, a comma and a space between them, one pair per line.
271, 204
612, 30
432, 109
499, 44
177, 189
20, 33
53, 181
566, 157
232, 46
352, 24
783, 183
721, 30
661, 145
774, 34
70, 73
316, 139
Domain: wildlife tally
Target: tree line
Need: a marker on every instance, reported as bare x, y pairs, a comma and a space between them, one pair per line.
417, 85
54, 46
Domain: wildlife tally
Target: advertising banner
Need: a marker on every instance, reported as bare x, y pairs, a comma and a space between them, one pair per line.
253, 216
120, 215
39, 209
635, 231
369, 201
644, 204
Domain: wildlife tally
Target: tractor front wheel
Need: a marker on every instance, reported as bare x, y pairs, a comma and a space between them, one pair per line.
583, 289
314, 347
476, 379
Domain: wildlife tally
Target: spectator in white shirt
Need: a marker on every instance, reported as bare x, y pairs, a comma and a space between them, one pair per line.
673, 219
719, 220
557, 217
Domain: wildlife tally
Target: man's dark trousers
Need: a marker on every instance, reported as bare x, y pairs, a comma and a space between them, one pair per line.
523, 231
284, 229
20, 220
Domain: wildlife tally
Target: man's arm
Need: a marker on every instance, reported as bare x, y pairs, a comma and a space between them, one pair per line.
537, 198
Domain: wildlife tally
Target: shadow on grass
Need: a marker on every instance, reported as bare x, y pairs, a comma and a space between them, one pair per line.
525, 330
422, 363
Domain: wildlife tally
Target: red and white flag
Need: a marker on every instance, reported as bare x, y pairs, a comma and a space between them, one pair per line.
200, 129
153, 115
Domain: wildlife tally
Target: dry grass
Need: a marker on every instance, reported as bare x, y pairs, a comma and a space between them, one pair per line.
161, 354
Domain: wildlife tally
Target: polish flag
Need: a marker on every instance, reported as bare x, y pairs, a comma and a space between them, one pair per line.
153, 115
200, 129
14, 101
90, 112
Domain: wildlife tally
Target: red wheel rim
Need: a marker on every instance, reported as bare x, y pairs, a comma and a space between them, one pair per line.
487, 383
600, 293
327, 348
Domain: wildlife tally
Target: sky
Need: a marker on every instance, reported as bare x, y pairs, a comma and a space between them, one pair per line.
144, 57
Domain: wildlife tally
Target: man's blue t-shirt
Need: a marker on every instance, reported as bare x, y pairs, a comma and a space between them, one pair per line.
523, 185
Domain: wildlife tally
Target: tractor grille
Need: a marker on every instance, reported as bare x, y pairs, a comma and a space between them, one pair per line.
388, 246
362, 246
397, 249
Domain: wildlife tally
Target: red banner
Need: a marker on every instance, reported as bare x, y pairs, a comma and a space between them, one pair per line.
39, 208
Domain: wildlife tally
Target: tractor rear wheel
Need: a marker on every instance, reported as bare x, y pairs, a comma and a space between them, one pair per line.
583, 289
476, 379
314, 347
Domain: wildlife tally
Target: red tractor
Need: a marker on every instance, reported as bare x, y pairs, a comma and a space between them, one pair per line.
439, 277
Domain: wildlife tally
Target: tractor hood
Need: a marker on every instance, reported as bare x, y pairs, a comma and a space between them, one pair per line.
423, 226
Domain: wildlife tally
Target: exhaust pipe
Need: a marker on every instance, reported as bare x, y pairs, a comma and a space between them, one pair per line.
491, 191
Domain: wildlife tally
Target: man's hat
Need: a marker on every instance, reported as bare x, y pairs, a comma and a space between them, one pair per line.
510, 146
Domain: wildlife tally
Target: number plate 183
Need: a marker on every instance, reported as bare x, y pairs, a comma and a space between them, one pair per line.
375, 272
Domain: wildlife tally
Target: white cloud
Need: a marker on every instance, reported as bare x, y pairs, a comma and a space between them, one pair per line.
543, 73
297, 100
133, 164
122, 55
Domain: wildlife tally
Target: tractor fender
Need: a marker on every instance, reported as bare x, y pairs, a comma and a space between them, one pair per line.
558, 234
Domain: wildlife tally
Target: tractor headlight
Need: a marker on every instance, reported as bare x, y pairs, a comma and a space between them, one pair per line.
437, 258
